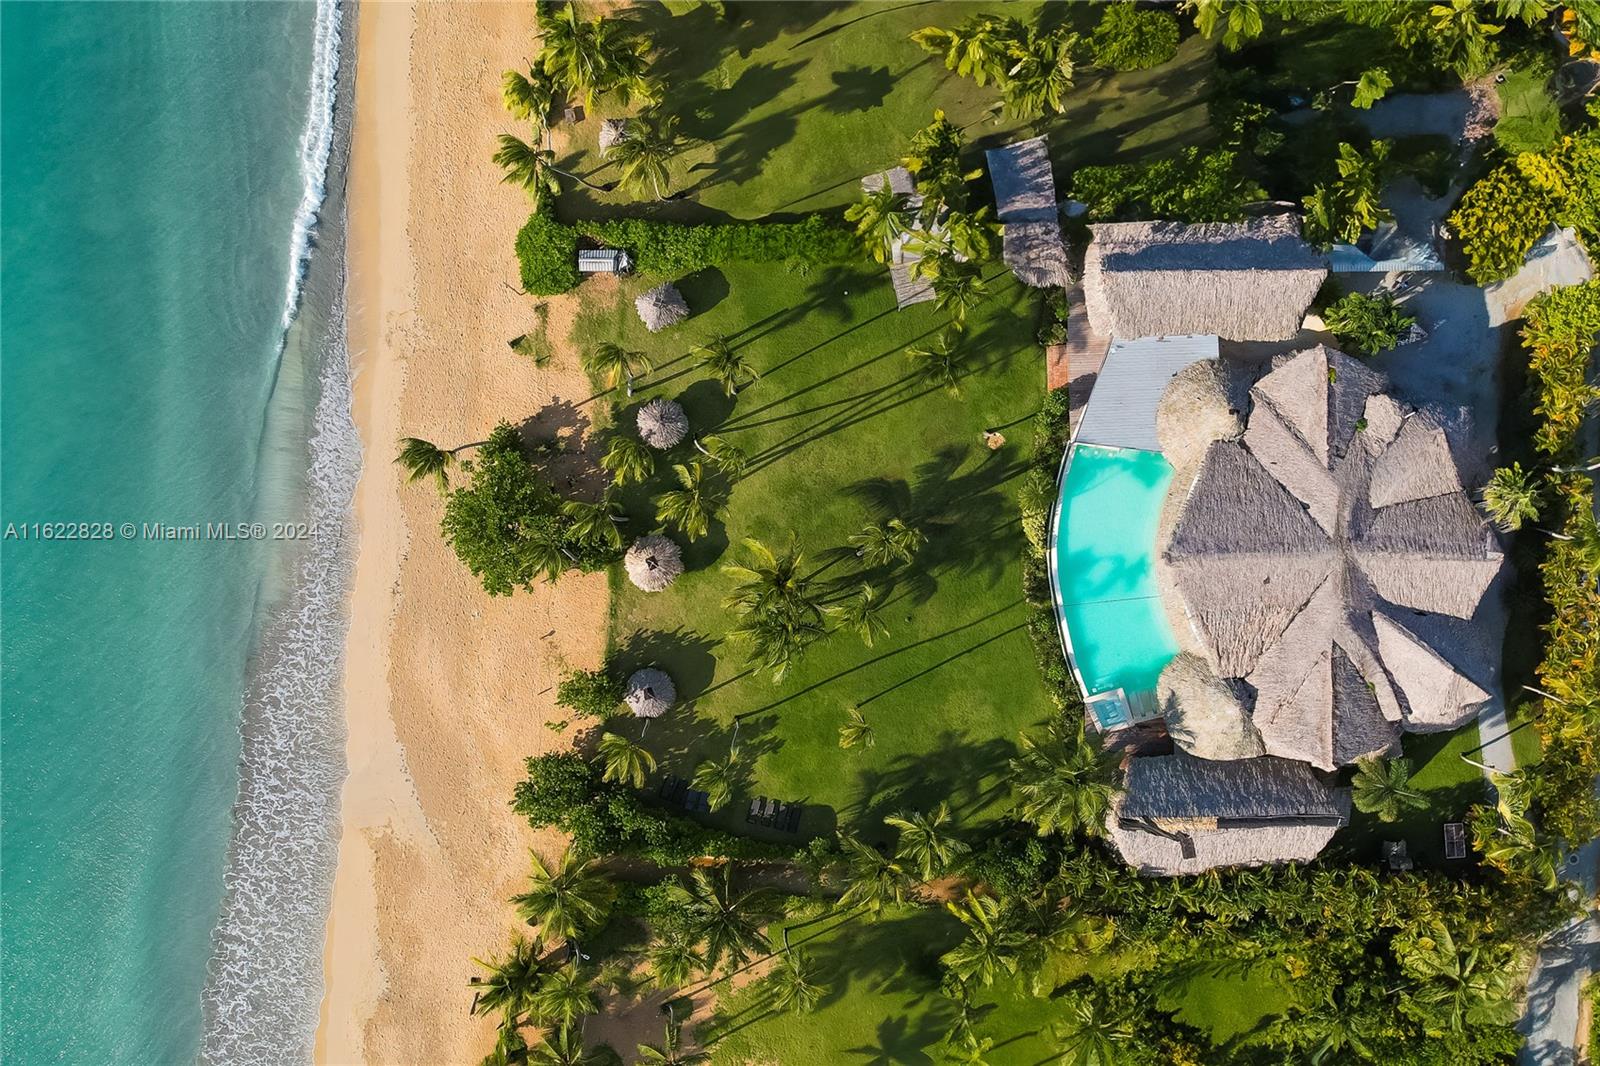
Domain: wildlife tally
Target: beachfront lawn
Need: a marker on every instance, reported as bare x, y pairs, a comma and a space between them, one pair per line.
841, 431
796, 102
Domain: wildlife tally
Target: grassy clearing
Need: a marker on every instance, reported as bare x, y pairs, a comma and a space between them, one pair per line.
1451, 786
798, 101
841, 431
1228, 998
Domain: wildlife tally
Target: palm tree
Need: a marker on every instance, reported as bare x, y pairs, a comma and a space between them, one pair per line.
1508, 839
721, 361
1383, 787
957, 289
423, 459
881, 221
924, 845
509, 988
939, 364
967, 235
1338, 1027
510, 1046
1458, 984
876, 881
861, 613
567, 900
1063, 782
717, 779
1512, 497
794, 985
567, 995
890, 542
669, 1052
1092, 1034
644, 152
595, 56
723, 454
772, 582
612, 363
625, 761
690, 508
563, 1046
673, 960
776, 639
856, 733
595, 522
628, 459
1040, 72
529, 97
532, 168
991, 946
728, 923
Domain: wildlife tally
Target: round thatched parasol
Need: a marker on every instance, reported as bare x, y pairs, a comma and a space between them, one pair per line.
653, 562
661, 307
663, 424
1200, 405
612, 130
650, 693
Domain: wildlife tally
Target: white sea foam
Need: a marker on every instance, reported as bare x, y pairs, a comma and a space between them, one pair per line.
316, 143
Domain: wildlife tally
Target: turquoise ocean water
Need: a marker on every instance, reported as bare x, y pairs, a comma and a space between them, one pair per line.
161, 176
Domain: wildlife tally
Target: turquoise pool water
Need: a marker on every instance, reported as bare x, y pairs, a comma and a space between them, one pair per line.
1104, 567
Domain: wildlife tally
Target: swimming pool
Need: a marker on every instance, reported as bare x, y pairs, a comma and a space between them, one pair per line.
1102, 569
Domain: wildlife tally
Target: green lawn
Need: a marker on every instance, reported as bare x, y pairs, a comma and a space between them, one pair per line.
842, 432
797, 101
1451, 786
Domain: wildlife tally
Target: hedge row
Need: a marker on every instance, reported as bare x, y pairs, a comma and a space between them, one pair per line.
548, 249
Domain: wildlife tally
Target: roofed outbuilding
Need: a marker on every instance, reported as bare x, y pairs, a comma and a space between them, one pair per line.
1025, 201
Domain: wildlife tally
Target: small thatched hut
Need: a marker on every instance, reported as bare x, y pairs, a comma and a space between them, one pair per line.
662, 424
612, 131
650, 693
661, 307
1183, 815
1242, 281
1025, 200
653, 562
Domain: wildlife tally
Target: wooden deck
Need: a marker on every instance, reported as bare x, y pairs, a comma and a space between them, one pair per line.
1076, 363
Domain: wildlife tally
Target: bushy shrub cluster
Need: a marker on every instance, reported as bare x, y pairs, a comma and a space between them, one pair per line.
1038, 493
1053, 319
1131, 38
1368, 324
590, 693
548, 253
565, 792
1193, 186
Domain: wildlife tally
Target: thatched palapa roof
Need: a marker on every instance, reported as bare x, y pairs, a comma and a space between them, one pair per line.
1243, 281
661, 307
653, 562
1181, 815
662, 424
1311, 556
612, 131
1025, 200
650, 693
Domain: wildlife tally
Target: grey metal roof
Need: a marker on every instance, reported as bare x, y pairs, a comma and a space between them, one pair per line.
598, 260
1121, 412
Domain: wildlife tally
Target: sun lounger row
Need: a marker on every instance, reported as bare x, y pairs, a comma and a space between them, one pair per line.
774, 814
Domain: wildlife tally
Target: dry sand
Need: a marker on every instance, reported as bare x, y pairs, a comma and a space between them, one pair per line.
448, 689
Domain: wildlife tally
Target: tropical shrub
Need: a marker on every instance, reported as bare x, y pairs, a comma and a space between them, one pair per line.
548, 254
1193, 186
1131, 38
1559, 330
1505, 213
1368, 324
1342, 209
1053, 319
590, 693
676, 248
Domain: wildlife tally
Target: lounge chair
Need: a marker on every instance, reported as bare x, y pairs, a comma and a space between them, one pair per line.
791, 823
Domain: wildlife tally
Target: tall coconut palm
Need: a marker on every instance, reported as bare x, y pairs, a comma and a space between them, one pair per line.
1512, 497
424, 459
595, 56
673, 960
596, 523
925, 844
563, 1046
511, 981
670, 1051
862, 613
688, 509
875, 880
939, 364
729, 459
644, 153
882, 221
991, 946
957, 289
611, 363
1459, 984
1508, 839
529, 97
534, 169
771, 582
727, 922
793, 983
510, 1046
1383, 787
567, 995
856, 733
777, 638
894, 541
1092, 1034
717, 778
719, 359
625, 762
628, 459
565, 901
1040, 72
1063, 782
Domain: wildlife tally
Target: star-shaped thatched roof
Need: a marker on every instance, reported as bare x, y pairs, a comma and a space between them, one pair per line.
1321, 558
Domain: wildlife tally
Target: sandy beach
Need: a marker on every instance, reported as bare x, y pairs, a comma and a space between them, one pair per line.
447, 689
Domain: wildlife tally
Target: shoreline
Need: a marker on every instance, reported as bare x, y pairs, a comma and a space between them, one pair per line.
446, 688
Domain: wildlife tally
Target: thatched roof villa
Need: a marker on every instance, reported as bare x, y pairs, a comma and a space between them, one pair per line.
1243, 281
1025, 200
1182, 815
